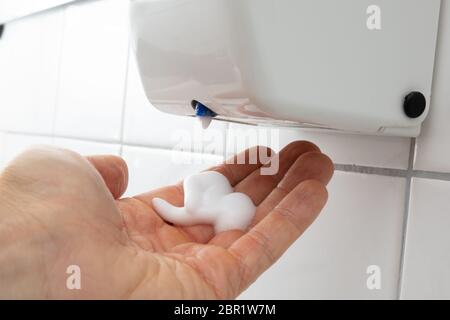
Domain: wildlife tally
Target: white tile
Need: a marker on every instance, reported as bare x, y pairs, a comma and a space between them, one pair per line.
13, 144
376, 151
29, 60
153, 168
433, 146
93, 70
361, 226
426, 271
2, 148
146, 125
87, 147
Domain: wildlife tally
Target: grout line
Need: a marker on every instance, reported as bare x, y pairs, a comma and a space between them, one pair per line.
431, 175
124, 99
109, 142
410, 174
417, 173
371, 170
351, 168
225, 146
44, 135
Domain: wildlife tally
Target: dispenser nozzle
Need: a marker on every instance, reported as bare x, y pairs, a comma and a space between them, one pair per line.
204, 114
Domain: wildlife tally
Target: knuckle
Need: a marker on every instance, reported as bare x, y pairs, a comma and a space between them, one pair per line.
305, 145
44, 165
315, 188
262, 242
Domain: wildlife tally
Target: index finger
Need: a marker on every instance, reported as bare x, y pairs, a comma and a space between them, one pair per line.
261, 247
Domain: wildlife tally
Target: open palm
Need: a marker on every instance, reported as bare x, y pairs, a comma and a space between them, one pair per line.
70, 213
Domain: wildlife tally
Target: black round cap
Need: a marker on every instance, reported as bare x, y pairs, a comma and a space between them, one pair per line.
415, 104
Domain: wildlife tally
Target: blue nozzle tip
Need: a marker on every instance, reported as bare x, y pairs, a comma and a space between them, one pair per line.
203, 111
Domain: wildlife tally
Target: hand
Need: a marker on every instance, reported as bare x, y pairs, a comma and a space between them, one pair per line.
59, 209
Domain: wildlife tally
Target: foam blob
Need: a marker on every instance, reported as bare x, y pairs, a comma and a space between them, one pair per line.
205, 122
209, 199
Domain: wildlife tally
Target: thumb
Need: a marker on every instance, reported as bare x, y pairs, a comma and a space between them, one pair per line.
114, 172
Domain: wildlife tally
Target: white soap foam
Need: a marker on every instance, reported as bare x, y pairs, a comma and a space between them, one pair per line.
209, 199
205, 122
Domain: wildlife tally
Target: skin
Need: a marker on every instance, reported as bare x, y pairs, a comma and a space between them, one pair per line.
59, 209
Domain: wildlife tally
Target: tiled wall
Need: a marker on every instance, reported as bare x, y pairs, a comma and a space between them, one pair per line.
67, 78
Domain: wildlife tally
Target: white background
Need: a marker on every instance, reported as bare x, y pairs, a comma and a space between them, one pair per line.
67, 78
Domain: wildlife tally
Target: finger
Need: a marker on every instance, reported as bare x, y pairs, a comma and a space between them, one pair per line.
259, 248
226, 239
173, 194
243, 164
309, 166
114, 172
257, 186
